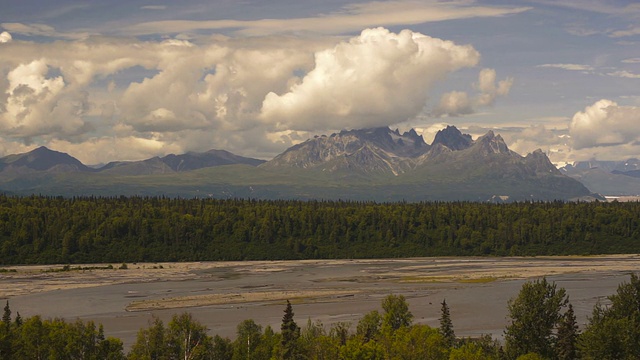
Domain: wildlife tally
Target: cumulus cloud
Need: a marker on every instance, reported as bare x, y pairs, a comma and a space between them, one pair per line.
377, 78
631, 61
605, 124
105, 99
5, 37
32, 102
457, 103
489, 91
192, 98
454, 103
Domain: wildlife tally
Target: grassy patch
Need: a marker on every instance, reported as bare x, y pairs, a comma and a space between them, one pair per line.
425, 279
66, 268
481, 280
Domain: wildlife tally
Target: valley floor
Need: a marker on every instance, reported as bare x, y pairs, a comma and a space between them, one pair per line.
222, 294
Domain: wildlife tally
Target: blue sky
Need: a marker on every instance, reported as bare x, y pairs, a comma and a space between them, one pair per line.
116, 80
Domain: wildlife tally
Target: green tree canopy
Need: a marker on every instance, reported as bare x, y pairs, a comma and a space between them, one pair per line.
534, 316
396, 312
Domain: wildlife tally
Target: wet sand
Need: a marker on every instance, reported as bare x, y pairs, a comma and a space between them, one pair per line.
222, 294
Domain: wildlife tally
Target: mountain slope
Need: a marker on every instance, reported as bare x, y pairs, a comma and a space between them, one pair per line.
177, 163
41, 160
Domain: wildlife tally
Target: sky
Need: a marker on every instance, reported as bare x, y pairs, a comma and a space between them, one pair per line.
108, 80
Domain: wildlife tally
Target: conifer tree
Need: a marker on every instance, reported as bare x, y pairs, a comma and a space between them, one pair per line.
5, 334
290, 333
6, 317
446, 326
567, 336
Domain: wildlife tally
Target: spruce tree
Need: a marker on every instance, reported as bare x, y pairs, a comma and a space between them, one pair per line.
5, 334
290, 333
446, 326
6, 317
567, 336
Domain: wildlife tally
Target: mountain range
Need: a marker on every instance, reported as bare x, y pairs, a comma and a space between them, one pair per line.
377, 164
619, 178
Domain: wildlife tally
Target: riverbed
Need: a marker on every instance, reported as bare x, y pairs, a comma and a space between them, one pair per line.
222, 294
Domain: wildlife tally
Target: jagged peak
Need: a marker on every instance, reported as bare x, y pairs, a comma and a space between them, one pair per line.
489, 135
452, 138
536, 152
493, 143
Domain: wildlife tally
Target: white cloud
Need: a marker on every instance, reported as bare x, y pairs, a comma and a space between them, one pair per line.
41, 30
454, 104
154, 7
105, 149
631, 61
195, 96
571, 67
596, 6
429, 133
5, 37
87, 96
457, 103
604, 124
489, 91
377, 78
352, 17
33, 102
624, 74
631, 31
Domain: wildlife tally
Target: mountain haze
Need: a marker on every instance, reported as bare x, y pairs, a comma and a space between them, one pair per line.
607, 177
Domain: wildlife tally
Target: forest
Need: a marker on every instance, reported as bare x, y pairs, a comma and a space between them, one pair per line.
541, 325
58, 230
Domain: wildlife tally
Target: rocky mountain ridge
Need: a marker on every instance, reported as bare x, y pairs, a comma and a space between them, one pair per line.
369, 164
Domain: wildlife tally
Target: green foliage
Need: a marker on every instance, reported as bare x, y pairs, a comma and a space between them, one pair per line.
222, 348
470, 351
369, 326
58, 339
40, 230
151, 342
187, 338
248, 341
290, 333
535, 314
566, 342
614, 332
446, 325
396, 312
530, 356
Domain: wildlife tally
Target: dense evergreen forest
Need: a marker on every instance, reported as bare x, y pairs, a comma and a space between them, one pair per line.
39, 230
542, 325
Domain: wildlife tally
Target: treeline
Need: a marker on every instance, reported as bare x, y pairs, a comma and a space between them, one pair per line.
38, 230
542, 326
